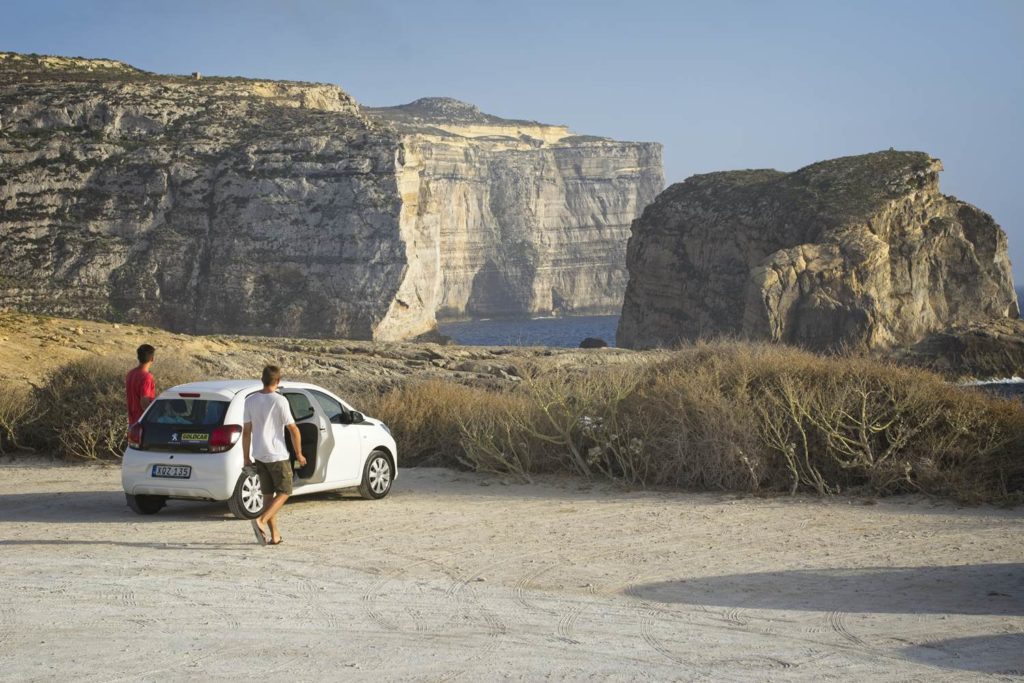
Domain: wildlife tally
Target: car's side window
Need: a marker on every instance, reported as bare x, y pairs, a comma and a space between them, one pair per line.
302, 409
336, 413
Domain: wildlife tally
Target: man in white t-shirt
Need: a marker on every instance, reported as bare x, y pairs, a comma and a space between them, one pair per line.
266, 417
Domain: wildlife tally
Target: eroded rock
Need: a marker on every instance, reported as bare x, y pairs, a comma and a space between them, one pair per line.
861, 251
280, 208
532, 218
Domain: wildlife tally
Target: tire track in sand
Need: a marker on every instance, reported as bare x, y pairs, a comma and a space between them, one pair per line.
312, 596
6, 626
651, 610
527, 580
837, 621
371, 596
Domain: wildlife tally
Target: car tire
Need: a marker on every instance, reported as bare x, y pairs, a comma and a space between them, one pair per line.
247, 501
146, 505
378, 473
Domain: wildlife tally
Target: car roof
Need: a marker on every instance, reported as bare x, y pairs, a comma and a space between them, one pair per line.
228, 388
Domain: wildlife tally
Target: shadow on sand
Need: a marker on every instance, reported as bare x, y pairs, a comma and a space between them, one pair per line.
981, 589
974, 589
70, 507
1001, 653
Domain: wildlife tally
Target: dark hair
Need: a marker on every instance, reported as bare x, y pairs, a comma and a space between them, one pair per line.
145, 353
271, 375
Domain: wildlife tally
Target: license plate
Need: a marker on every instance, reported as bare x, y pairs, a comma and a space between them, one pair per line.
172, 471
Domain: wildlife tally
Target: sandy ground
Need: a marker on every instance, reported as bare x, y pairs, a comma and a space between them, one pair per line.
457, 576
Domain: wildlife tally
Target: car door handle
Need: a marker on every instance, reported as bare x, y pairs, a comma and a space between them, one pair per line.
323, 429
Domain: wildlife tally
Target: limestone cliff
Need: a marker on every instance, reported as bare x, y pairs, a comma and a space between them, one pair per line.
531, 218
861, 251
246, 206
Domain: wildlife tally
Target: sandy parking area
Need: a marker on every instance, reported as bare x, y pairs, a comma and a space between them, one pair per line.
460, 576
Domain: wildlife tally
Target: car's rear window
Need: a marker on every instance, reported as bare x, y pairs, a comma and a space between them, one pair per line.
189, 412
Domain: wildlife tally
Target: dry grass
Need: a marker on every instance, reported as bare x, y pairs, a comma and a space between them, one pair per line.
716, 416
430, 420
81, 406
727, 416
17, 413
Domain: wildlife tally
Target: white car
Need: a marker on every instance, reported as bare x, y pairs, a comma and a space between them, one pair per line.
188, 445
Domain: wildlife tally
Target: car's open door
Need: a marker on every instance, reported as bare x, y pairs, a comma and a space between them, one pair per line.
317, 437
347, 454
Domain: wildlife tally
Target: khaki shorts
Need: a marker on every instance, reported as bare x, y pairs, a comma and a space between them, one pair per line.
275, 477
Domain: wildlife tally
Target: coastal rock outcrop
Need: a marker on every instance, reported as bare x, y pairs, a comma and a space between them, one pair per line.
860, 252
981, 350
267, 207
532, 219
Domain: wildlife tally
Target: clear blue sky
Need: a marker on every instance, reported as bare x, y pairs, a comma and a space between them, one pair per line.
722, 84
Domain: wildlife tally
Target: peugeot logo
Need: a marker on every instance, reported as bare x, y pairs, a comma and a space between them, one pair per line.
174, 437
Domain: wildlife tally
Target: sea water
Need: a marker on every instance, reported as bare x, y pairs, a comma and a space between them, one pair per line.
566, 332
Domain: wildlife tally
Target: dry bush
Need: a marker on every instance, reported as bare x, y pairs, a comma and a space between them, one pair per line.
82, 405
714, 416
733, 416
492, 438
426, 417
726, 416
702, 420
17, 413
577, 416
834, 424
439, 423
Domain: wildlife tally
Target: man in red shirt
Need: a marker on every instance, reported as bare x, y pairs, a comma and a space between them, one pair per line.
139, 387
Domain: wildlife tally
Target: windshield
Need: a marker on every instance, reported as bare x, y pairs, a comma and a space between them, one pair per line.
186, 411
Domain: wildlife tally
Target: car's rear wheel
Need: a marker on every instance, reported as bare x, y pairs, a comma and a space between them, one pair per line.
247, 500
377, 476
146, 505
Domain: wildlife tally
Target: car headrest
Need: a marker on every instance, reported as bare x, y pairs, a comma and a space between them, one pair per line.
178, 405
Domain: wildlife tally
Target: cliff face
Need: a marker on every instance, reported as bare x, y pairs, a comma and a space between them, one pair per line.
860, 251
531, 218
238, 206
215, 205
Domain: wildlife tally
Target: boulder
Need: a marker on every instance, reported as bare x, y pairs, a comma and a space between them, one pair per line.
980, 350
856, 252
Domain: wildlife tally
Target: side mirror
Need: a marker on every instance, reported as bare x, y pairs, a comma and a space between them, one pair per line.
355, 417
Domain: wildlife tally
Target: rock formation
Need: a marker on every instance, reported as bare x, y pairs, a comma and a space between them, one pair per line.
532, 219
861, 251
980, 350
266, 207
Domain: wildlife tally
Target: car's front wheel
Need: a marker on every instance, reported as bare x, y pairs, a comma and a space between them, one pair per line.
146, 505
247, 500
377, 476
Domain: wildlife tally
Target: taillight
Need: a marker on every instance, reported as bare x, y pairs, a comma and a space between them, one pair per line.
223, 438
135, 436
